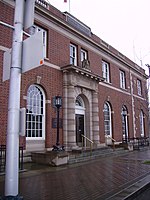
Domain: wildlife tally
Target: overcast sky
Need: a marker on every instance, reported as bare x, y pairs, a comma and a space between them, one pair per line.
124, 24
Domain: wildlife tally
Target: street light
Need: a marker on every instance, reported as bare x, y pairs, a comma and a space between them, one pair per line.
58, 105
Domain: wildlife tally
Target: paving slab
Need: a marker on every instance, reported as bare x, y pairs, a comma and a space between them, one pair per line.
94, 180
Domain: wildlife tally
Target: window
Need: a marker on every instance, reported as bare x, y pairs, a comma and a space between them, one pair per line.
107, 119
73, 54
83, 55
106, 71
79, 102
35, 113
122, 80
79, 106
34, 29
124, 122
139, 87
142, 123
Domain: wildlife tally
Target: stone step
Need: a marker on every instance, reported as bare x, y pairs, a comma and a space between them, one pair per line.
97, 153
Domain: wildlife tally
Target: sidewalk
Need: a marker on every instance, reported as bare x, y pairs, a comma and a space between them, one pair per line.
105, 178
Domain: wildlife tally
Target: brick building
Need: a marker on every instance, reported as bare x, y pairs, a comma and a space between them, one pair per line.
104, 93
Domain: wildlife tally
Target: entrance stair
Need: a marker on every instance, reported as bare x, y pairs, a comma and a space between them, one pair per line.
83, 155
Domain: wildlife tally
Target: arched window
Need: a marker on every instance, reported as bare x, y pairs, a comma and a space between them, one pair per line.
79, 105
79, 101
107, 119
142, 123
124, 113
35, 114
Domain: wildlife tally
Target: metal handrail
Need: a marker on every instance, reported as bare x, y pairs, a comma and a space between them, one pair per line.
91, 142
108, 136
112, 139
87, 138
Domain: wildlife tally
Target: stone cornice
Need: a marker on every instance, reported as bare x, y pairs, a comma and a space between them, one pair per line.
84, 72
62, 23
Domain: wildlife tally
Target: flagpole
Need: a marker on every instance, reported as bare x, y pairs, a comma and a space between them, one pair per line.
69, 6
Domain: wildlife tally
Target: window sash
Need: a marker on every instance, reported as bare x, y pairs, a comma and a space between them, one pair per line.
124, 122
107, 119
35, 114
34, 126
139, 87
105, 71
73, 54
83, 55
141, 124
122, 80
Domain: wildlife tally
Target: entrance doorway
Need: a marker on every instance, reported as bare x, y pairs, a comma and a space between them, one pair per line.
80, 120
79, 128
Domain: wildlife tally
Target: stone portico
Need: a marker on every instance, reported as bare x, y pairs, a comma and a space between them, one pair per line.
80, 83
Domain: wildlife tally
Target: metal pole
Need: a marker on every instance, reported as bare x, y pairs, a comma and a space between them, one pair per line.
149, 103
57, 142
12, 145
69, 6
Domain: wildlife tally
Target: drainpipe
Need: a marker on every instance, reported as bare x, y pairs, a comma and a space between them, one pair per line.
148, 102
133, 110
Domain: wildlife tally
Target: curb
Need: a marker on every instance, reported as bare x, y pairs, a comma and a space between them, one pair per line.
131, 192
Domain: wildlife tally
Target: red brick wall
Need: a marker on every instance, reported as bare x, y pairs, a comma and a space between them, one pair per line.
6, 15
3, 103
51, 82
116, 100
58, 48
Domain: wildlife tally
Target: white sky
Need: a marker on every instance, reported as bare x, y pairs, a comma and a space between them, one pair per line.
124, 24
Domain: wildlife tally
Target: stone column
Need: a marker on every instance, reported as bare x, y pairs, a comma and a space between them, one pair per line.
65, 103
71, 117
95, 118
65, 117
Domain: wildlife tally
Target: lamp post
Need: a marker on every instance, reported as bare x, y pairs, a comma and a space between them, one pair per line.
58, 104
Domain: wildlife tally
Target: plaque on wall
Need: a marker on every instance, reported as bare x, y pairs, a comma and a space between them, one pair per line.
54, 123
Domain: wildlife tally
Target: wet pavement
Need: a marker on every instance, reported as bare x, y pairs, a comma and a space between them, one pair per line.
94, 180
144, 195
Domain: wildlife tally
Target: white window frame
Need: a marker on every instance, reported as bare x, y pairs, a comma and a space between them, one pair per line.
79, 106
106, 71
107, 119
142, 123
36, 111
34, 29
139, 87
83, 55
73, 54
124, 115
122, 80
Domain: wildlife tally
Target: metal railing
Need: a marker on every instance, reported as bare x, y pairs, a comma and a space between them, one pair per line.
137, 142
3, 158
90, 141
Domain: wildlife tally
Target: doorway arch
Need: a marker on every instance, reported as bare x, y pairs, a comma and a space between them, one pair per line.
80, 119
78, 82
